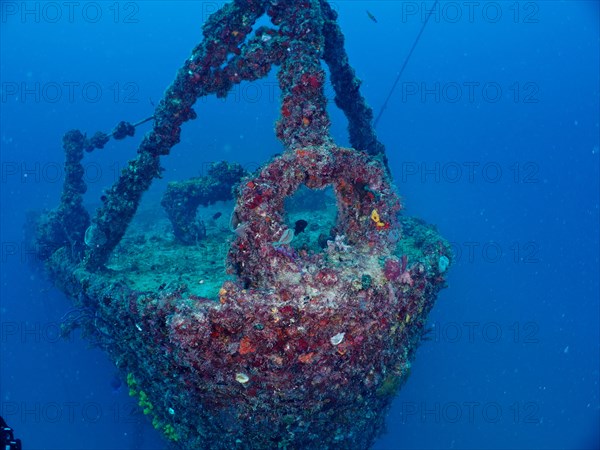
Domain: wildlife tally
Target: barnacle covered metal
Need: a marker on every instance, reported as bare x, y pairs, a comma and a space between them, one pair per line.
249, 336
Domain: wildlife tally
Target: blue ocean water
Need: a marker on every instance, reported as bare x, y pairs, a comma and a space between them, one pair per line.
492, 134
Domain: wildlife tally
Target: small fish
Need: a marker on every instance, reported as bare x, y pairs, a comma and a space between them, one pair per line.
299, 226
372, 17
217, 215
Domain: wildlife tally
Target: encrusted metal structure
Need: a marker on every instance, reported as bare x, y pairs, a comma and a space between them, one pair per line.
292, 342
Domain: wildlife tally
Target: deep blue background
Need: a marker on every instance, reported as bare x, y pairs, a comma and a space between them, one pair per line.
524, 224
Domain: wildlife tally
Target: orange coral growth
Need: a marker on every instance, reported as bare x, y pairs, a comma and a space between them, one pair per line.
246, 346
375, 218
306, 358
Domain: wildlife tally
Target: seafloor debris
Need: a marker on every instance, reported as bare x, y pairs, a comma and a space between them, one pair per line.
307, 337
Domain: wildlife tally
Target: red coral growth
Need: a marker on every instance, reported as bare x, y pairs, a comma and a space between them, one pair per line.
326, 277
392, 269
312, 80
246, 346
287, 311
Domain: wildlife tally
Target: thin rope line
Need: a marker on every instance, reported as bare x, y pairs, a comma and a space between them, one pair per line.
384, 106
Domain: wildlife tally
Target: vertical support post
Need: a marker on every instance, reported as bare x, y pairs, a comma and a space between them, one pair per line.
347, 88
304, 120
